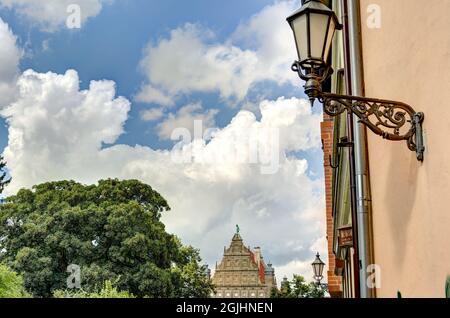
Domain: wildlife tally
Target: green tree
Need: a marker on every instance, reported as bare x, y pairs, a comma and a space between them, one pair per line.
316, 291
11, 284
298, 288
285, 290
190, 276
111, 230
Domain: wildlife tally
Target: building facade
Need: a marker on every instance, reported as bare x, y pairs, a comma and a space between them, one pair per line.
404, 56
408, 59
242, 273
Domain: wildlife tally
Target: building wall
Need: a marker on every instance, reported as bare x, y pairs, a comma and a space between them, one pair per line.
408, 59
238, 275
334, 282
241, 292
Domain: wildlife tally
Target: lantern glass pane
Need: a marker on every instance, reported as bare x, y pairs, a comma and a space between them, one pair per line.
300, 27
329, 40
321, 269
316, 269
319, 25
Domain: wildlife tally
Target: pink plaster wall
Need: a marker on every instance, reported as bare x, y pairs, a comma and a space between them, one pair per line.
408, 59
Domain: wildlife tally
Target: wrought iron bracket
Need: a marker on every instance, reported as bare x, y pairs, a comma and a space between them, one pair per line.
389, 119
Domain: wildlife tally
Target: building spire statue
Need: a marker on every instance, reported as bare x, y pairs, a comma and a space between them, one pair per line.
237, 229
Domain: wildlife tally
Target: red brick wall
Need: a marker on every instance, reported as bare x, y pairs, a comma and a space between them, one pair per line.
334, 282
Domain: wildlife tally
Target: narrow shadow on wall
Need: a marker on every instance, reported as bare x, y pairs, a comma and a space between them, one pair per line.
400, 195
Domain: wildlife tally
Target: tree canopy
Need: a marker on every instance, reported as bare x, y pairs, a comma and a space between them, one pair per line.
112, 231
298, 288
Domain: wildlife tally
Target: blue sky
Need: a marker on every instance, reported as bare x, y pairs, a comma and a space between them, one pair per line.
226, 63
111, 45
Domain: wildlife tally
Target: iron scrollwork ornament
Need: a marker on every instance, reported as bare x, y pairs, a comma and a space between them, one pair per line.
389, 119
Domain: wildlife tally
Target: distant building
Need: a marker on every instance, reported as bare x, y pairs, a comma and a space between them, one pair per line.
242, 273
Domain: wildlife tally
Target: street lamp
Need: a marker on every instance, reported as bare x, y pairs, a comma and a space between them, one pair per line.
314, 25
318, 267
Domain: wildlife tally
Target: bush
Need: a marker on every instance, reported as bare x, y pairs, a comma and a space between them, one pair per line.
11, 284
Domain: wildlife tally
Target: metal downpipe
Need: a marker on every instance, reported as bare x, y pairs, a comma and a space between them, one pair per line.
363, 196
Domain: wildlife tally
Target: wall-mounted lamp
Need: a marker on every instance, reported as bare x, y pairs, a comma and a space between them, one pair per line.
314, 25
318, 267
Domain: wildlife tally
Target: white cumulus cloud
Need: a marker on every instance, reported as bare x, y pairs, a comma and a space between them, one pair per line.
48, 124
186, 117
10, 55
152, 114
49, 15
192, 60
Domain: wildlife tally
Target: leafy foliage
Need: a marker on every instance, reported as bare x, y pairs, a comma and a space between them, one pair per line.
11, 284
298, 288
111, 230
108, 291
189, 278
